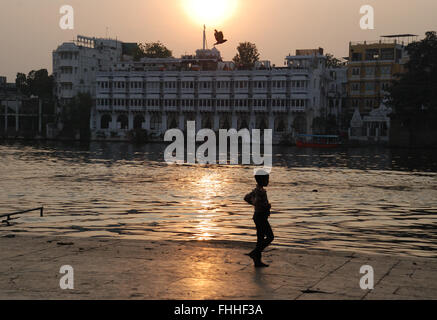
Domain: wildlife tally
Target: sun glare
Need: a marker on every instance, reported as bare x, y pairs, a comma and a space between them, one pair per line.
210, 12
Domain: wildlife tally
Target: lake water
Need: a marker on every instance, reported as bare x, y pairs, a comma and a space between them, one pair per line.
371, 200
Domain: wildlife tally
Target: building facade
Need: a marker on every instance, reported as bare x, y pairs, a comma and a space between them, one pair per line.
372, 128
20, 115
76, 63
159, 94
337, 96
372, 67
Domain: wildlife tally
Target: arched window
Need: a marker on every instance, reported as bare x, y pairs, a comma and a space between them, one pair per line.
105, 121
242, 123
225, 122
207, 123
138, 121
261, 123
124, 122
155, 122
173, 123
280, 124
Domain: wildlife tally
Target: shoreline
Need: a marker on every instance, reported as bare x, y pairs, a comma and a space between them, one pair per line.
107, 268
343, 146
249, 245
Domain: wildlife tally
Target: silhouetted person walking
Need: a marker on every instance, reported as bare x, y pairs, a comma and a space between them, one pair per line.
264, 233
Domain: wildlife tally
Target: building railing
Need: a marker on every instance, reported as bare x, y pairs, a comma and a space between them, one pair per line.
9, 215
382, 41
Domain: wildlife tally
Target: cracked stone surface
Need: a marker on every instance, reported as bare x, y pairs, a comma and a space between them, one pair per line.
141, 269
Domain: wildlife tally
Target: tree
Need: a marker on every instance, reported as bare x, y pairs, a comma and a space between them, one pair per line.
152, 50
76, 116
333, 62
21, 83
415, 91
37, 83
40, 83
247, 55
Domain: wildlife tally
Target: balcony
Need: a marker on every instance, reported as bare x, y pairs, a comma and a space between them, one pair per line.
279, 90
136, 90
187, 90
259, 90
223, 90
241, 90
259, 85
120, 108
385, 76
201, 108
188, 86
66, 63
100, 92
103, 108
152, 87
223, 85
136, 108
187, 107
66, 93
203, 90
297, 90
241, 108
225, 108
170, 108
66, 77
279, 109
297, 109
153, 108
168, 90
257, 108
119, 90
241, 85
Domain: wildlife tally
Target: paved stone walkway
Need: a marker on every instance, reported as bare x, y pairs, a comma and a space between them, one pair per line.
136, 269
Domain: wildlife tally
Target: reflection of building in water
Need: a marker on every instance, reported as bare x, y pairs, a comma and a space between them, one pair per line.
159, 94
371, 128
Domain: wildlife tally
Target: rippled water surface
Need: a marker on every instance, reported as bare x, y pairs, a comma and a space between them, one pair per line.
369, 199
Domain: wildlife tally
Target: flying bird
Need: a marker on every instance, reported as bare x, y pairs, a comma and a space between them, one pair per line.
219, 37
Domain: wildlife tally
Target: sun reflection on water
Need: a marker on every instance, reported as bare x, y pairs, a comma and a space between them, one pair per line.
207, 187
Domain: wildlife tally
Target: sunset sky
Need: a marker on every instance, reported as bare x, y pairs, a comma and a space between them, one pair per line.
29, 29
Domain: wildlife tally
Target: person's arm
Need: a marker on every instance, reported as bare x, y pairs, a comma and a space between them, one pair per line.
250, 198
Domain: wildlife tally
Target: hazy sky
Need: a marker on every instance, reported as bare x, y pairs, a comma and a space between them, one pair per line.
29, 29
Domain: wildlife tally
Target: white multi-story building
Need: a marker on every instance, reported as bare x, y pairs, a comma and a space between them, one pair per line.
337, 94
75, 65
159, 94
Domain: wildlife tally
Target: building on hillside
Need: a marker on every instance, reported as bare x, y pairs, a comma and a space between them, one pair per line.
159, 94
372, 67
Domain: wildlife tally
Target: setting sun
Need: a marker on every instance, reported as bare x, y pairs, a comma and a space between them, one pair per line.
212, 12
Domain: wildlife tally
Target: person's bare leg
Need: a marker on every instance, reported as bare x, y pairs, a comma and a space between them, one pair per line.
262, 228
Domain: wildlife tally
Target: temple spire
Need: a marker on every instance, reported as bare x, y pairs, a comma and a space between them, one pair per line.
204, 37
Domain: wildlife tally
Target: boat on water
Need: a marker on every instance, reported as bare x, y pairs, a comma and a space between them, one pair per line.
317, 141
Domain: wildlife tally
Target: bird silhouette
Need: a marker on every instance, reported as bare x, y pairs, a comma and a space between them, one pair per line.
219, 37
